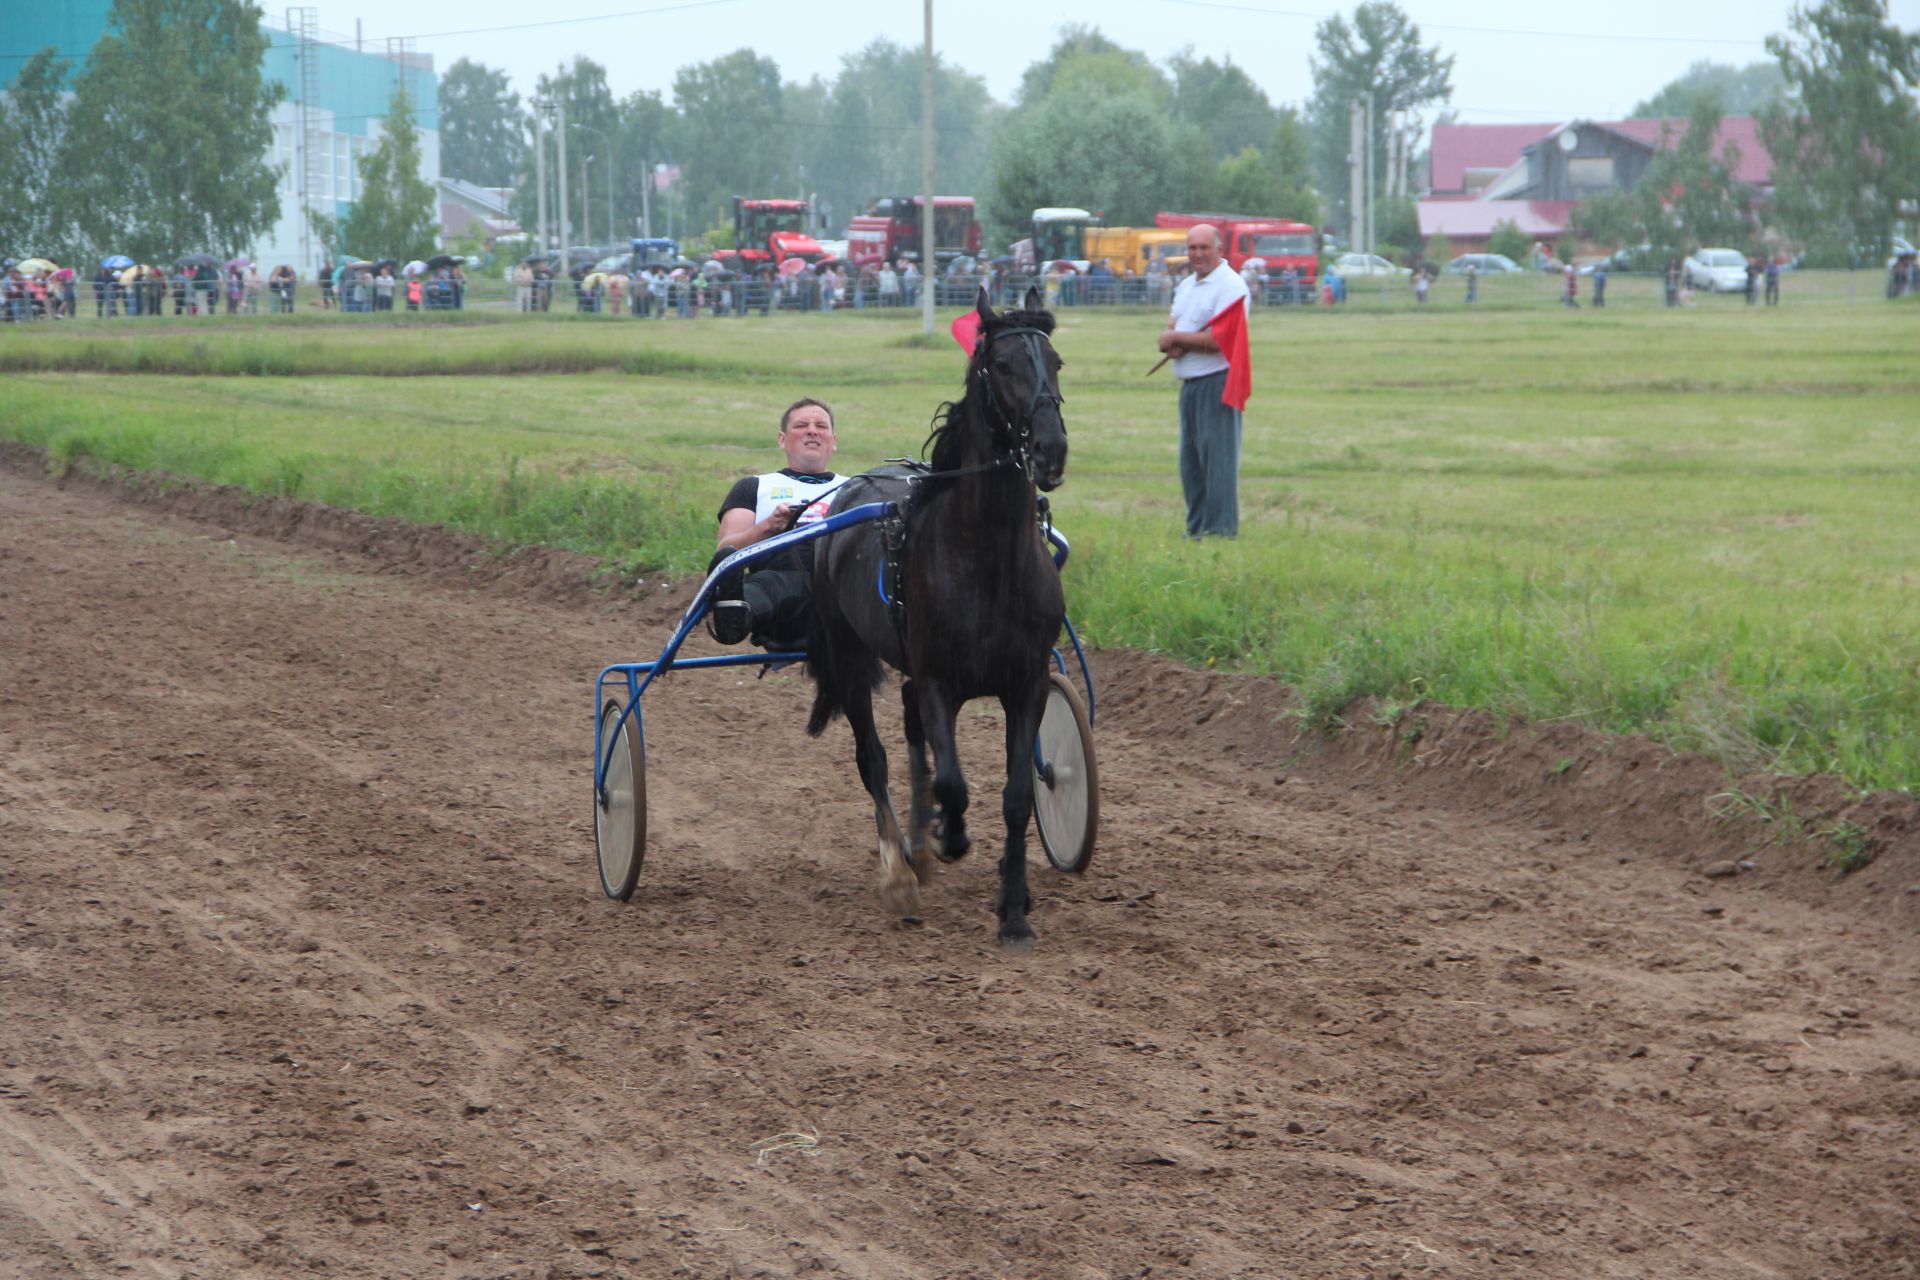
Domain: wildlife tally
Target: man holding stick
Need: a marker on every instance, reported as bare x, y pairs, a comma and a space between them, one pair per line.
1206, 339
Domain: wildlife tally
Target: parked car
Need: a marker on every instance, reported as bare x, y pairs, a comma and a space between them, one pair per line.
1487, 264
1718, 270
1366, 264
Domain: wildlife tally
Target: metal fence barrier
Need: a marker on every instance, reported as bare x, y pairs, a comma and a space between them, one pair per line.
708, 297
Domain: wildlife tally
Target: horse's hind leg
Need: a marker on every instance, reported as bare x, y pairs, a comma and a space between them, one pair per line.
899, 890
1023, 711
920, 816
949, 785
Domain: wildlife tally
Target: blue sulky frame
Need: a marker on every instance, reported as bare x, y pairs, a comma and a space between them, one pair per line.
638, 675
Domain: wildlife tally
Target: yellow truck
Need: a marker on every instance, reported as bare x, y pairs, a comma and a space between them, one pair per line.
1136, 247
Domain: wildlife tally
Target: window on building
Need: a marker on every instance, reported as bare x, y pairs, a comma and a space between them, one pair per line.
1590, 173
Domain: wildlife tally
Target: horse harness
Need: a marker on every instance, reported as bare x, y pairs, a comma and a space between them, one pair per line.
893, 527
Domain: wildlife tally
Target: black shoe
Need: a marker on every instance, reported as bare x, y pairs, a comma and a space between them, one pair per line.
730, 621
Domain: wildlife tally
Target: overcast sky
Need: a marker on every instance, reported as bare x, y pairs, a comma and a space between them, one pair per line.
1514, 60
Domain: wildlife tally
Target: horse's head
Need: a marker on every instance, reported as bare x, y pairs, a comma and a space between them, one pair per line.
1019, 372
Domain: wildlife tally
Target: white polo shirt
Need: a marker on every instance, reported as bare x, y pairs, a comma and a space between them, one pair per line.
1196, 301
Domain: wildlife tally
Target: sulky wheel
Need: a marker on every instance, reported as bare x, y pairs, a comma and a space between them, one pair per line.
1066, 785
620, 823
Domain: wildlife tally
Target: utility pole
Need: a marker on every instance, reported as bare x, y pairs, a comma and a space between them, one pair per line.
646, 199
1356, 181
1370, 187
586, 205
929, 265
540, 107
566, 226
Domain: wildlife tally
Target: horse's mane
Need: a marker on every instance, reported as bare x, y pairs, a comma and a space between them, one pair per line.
947, 439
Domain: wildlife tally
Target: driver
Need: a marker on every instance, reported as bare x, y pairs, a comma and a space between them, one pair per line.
772, 603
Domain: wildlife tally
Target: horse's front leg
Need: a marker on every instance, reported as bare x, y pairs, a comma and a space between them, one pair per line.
1023, 710
937, 711
920, 816
899, 890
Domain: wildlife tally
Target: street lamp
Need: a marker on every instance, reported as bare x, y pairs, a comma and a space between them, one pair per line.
613, 232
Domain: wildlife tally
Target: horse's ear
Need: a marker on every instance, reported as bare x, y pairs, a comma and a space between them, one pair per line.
1034, 302
984, 305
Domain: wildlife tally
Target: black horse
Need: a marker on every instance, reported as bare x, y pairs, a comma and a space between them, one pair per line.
982, 604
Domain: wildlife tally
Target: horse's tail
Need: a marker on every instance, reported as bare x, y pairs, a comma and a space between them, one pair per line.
837, 662
826, 690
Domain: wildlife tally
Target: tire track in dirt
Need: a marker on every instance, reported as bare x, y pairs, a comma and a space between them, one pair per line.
306, 936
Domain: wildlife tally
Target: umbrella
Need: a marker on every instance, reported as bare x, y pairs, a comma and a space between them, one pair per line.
530, 258
678, 273
593, 280
413, 268
132, 275
444, 260
1254, 264
32, 266
63, 274
118, 262
239, 263
793, 266
385, 262
196, 260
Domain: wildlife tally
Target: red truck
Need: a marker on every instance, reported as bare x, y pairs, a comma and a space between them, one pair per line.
767, 233
890, 230
1277, 241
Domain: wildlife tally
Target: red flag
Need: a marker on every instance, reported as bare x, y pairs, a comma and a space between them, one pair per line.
1229, 330
966, 329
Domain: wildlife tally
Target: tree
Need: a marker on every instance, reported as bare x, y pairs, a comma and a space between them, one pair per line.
395, 215
645, 122
482, 138
1742, 91
33, 128
1509, 240
1378, 57
1846, 142
730, 135
1610, 219
1111, 152
1110, 63
591, 121
1688, 196
1223, 102
169, 130
863, 140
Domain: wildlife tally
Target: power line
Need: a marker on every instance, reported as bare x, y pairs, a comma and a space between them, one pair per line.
1482, 31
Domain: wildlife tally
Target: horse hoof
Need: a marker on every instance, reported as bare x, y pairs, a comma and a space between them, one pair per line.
902, 896
1017, 939
954, 850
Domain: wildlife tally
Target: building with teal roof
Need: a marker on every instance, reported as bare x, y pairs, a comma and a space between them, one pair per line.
335, 108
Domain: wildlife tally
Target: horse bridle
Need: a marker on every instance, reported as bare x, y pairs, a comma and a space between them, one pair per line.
1022, 435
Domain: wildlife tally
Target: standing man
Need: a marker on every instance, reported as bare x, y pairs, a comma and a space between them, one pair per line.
1206, 337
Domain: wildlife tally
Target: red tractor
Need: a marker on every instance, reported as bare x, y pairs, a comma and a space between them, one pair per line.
766, 233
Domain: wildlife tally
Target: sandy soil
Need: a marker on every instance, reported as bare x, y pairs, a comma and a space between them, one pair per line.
304, 970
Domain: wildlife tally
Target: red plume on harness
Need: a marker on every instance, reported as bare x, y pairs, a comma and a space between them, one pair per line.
966, 330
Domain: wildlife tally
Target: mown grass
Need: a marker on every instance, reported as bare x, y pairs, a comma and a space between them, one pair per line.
1698, 525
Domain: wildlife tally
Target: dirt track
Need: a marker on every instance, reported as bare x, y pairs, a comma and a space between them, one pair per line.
304, 972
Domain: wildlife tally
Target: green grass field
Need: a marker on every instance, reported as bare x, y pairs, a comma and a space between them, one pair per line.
1696, 524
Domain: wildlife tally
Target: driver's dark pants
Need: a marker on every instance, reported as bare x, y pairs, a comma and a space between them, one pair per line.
781, 598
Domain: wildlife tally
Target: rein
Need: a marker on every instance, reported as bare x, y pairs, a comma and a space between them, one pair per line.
1019, 456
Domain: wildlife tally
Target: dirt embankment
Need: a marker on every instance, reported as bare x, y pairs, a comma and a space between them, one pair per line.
305, 971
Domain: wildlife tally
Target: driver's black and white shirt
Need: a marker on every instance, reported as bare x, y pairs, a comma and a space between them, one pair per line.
761, 494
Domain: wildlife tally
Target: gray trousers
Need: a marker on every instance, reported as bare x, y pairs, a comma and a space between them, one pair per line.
1209, 458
